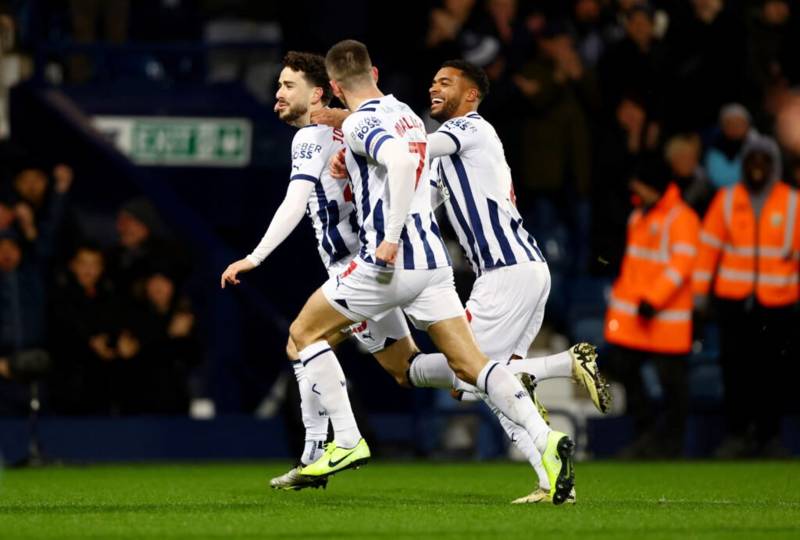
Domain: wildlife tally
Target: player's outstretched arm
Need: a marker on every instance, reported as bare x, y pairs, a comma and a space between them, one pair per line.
402, 167
286, 218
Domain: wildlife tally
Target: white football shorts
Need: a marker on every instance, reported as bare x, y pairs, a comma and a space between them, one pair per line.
506, 308
366, 291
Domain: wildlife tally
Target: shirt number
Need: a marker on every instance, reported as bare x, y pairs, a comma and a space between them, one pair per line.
419, 149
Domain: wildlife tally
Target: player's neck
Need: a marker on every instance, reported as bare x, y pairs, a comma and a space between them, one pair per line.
464, 110
357, 97
305, 120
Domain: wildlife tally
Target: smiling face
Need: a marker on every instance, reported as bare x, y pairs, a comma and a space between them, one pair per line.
294, 97
452, 94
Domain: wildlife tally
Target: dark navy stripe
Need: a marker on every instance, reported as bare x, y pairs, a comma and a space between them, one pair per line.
532, 242
334, 234
379, 144
377, 220
474, 115
353, 220
408, 251
434, 184
370, 102
435, 230
472, 211
364, 171
304, 177
308, 126
322, 212
368, 109
486, 379
323, 351
462, 222
372, 136
455, 139
423, 236
505, 247
515, 225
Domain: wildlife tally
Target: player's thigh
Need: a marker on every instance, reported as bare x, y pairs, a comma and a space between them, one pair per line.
454, 338
316, 320
395, 358
435, 297
506, 309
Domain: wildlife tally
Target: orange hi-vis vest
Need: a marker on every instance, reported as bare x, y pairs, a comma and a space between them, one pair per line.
657, 267
742, 255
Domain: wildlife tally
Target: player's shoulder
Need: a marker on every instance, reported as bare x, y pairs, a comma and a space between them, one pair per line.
470, 124
361, 122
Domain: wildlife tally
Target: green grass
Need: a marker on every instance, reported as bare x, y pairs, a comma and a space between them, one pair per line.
401, 500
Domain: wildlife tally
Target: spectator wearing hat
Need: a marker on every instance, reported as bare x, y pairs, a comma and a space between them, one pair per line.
649, 316
749, 263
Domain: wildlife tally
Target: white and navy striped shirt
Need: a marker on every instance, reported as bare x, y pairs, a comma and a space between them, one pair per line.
481, 205
330, 205
366, 130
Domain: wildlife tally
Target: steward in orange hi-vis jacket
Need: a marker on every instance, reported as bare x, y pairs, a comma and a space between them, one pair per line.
649, 316
749, 260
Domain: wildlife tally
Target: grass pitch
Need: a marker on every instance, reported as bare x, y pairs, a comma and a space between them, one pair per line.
402, 500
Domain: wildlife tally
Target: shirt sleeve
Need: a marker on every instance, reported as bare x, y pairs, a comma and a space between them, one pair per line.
442, 143
285, 220
366, 134
462, 131
308, 155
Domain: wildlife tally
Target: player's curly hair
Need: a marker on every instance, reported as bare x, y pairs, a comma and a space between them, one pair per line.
473, 73
313, 68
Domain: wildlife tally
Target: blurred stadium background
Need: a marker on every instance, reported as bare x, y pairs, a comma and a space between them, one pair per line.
138, 139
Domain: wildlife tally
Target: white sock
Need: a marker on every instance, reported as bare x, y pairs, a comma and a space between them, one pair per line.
520, 439
508, 395
315, 417
553, 366
326, 377
431, 371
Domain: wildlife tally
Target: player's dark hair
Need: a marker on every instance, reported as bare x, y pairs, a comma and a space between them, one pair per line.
313, 68
348, 61
473, 73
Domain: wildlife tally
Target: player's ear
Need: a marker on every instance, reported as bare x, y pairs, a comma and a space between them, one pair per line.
472, 95
337, 91
316, 95
375, 74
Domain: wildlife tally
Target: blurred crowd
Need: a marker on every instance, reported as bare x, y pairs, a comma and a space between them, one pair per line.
616, 117
111, 320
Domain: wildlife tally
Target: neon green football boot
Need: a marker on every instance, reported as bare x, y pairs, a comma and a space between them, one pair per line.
558, 463
336, 459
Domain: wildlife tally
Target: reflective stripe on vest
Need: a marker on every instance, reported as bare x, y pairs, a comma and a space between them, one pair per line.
667, 315
745, 276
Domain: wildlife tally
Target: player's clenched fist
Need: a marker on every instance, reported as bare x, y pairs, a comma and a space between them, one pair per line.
230, 273
337, 166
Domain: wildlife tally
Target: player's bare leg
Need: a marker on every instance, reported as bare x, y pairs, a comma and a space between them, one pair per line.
316, 321
455, 339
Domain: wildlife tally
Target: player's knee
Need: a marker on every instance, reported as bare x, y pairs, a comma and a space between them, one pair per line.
298, 334
401, 379
464, 371
291, 350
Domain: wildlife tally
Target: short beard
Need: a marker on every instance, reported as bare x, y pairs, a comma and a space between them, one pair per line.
293, 114
446, 112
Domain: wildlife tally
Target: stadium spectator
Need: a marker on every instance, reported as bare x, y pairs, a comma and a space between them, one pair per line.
682, 154
22, 307
649, 316
143, 241
556, 160
84, 315
704, 68
633, 66
622, 153
163, 326
723, 159
748, 263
